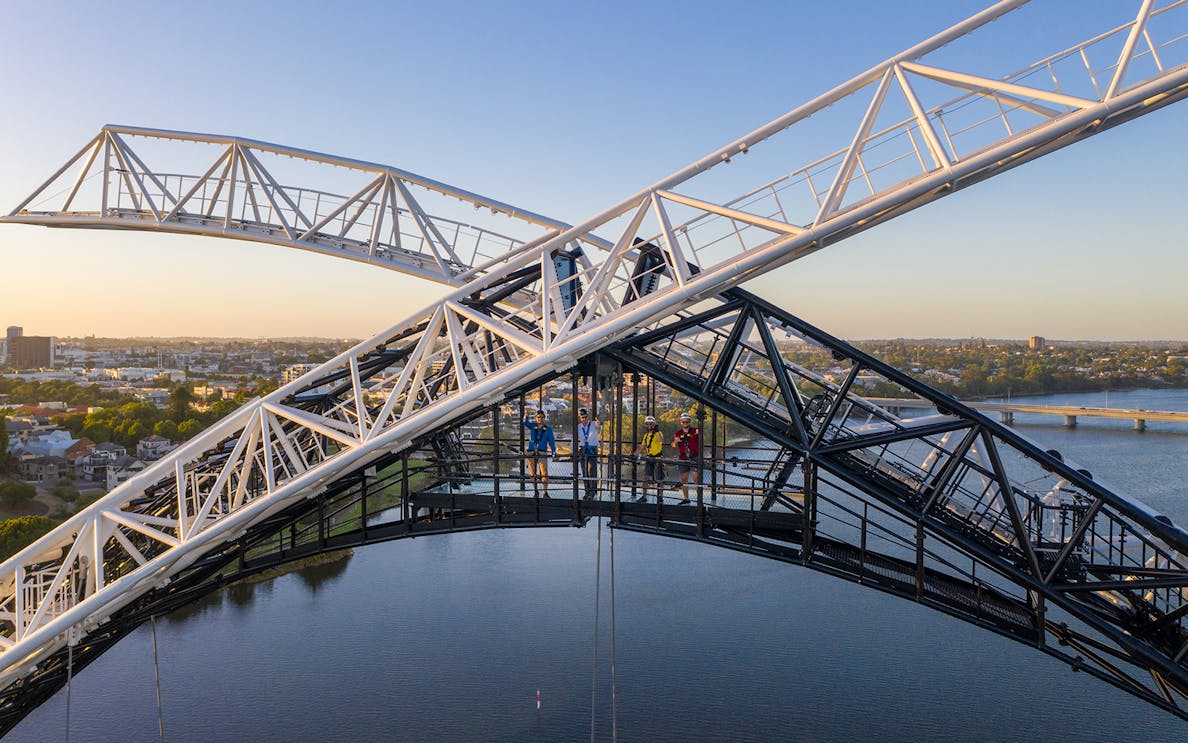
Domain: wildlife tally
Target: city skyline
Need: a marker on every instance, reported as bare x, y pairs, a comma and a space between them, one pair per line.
1080, 245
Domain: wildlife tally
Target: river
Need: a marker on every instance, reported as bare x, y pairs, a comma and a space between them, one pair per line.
449, 638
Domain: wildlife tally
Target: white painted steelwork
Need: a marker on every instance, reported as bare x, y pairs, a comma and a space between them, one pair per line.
382, 219
523, 318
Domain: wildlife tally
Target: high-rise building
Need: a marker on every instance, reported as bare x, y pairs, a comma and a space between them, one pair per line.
14, 331
1037, 342
30, 351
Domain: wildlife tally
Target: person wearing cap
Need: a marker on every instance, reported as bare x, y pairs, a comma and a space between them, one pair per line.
541, 444
651, 448
687, 441
587, 448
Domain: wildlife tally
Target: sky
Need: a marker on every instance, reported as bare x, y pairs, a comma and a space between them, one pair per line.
563, 109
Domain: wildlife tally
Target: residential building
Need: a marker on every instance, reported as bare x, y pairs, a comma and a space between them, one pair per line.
153, 447
30, 352
94, 467
122, 469
296, 371
16, 429
81, 448
131, 373
43, 443
36, 468
154, 396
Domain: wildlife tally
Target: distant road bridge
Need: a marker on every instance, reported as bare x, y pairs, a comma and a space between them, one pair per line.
1070, 413
404, 433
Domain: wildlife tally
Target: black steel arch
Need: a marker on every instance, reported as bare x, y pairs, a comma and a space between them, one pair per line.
1052, 596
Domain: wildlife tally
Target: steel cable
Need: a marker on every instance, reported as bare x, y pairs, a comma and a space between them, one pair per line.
614, 706
594, 672
157, 682
69, 678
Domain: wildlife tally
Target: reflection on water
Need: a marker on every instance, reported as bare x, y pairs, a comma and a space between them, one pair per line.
314, 577
449, 638
313, 574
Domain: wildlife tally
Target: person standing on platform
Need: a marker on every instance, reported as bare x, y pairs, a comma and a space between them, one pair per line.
687, 441
587, 451
541, 445
651, 448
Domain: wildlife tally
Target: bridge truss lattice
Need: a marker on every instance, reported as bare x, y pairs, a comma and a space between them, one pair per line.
560, 294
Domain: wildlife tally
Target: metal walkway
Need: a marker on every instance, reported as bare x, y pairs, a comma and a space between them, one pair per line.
562, 296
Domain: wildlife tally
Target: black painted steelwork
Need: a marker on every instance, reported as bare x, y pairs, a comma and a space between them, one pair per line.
941, 510
1111, 569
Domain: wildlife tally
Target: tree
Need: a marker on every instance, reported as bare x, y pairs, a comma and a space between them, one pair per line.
119, 431
166, 429
142, 412
223, 408
74, 422
3, 443
99, 432
188, 428
180, 400
65, 490
14, 494
16, 534
136, 432
974, 380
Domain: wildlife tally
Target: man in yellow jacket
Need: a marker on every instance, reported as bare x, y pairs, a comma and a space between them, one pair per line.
651, 448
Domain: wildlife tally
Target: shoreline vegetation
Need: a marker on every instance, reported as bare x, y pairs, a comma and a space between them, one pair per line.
969, 369
977, 370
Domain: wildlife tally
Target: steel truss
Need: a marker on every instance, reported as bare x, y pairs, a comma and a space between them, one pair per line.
1094, 572
203, 184
538, 309
951, 510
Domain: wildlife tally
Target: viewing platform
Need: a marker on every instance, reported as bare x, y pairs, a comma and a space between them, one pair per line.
1006, 411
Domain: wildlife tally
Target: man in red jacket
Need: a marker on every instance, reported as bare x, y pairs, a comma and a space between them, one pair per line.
687, 441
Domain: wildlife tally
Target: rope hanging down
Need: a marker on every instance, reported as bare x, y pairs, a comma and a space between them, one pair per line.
157, 681
69, 680
614, 696
594, 674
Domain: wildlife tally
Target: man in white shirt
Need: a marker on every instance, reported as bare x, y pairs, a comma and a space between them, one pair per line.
587, 433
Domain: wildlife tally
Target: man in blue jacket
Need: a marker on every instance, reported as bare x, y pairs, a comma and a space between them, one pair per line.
588, 431
541, 445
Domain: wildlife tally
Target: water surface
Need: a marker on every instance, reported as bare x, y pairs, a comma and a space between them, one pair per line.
448, 638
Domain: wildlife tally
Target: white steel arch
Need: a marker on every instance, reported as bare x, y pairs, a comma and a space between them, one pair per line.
556, 299
219, 186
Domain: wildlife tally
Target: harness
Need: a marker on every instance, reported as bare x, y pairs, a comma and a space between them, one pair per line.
687, 441
584, 430
538, 437
653, 444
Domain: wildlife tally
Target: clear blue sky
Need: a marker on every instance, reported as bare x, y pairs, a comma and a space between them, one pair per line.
564, 109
